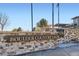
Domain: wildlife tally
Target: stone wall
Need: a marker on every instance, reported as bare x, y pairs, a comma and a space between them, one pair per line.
26, 47
30, 37
72, 33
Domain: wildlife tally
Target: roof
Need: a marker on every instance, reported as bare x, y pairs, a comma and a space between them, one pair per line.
61, 24
75, 17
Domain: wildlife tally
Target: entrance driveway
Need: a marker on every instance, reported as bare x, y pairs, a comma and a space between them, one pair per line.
62, 50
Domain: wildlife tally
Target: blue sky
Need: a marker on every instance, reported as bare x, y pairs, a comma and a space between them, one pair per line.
19, 14
68, 11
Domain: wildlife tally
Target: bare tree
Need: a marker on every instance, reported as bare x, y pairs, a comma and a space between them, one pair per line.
3, 20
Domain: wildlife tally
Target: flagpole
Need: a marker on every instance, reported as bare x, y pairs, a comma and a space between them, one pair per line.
31, 17
58, 13
52, 15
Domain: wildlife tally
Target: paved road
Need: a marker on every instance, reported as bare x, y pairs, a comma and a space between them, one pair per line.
62, 50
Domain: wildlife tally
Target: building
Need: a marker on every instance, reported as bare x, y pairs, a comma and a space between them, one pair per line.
75, 21
63, 25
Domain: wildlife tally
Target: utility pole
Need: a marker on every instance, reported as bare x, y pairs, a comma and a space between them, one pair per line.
31, 17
